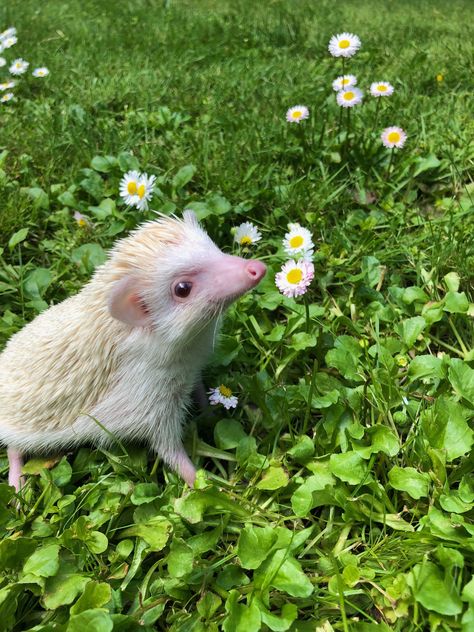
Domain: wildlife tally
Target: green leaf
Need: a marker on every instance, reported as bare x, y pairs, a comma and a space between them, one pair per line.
425, 164
461, 377
433, 591
155, 532
180, 558
228, 433
183, 176
67, 199
128, 162
452, 280
302, 499
349, 467
345, 357
38, 195
254, 545
456, 303
284, 572
17, 237
273, 478
302, 450
44, 562
427, 366
445, 426
407, 479
208, 604
105, 209
97, 620
104, 164
144, 493
95, 595
90, 256
372, 270
410, 329
62, 589
241, 618
281, 623
14, 550
302, 340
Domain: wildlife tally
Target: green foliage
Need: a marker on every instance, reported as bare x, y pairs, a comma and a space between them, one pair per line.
339, 495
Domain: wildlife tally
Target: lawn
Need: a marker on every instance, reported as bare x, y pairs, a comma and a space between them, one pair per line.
338, 494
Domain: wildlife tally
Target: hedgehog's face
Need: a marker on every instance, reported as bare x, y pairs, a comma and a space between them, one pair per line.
192, 282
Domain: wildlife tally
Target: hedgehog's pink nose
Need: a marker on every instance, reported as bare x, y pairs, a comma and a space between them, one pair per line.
255, 270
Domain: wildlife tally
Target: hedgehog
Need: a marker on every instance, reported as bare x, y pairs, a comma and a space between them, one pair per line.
121, 358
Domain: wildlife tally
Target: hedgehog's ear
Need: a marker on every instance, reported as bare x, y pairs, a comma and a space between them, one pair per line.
126, 304
189, 216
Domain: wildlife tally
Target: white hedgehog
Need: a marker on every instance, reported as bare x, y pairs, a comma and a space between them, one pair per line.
126, 351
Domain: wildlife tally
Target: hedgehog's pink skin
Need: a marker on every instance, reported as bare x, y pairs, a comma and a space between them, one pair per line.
126, 351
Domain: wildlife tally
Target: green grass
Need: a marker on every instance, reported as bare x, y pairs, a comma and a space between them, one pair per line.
340, 492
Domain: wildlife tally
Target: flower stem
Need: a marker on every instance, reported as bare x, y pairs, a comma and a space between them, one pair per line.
387, 174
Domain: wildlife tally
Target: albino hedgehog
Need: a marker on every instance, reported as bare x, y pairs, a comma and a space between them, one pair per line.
126, 351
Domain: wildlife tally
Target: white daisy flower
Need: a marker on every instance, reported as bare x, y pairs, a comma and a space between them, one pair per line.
18, 67
297, 113
349, 98
343, 82
344, 45
223, 395
129, 187
6, 97
247, 234
40, 72
144, 191
8, 42
7, 85
10, 32
294, 277
298, 241
381, 89
393, 137
3, 62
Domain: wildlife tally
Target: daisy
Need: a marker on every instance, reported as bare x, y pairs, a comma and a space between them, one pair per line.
223, 395
6, 97
40, 72
297, 113
343, 82
294, 277
7, 85
144, 191
81, 219
381, 89
10, 32
349, 98
344, 45
18, 67
3, 62
298, 241
8, 42
247, 234
129, 187
393, 137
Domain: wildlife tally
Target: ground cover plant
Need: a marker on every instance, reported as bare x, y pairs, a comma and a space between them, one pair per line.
337, 491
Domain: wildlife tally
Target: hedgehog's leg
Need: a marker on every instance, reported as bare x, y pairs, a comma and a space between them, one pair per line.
200, 396
15, 463
182, 464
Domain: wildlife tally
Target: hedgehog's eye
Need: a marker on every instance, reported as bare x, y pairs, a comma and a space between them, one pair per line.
183, 289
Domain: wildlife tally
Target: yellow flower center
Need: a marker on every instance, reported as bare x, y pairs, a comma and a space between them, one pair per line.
296, 241
349, 95
141, 191
344, 44
382, 88
345, 81
225, 391
82, 222
296, 114
294, 276
245, 240
132, 187
439, 78
393, 137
